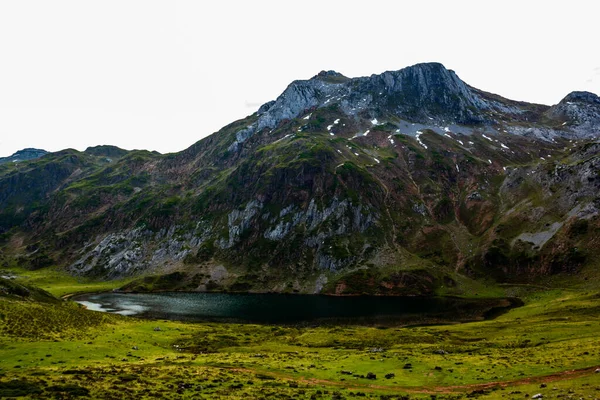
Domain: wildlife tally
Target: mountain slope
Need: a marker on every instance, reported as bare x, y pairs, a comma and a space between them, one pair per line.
406, 182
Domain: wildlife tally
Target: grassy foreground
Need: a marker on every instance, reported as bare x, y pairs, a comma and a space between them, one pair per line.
50, 349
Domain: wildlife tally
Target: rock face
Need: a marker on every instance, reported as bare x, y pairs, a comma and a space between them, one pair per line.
405, 182
24, 155
581, 112
422, 92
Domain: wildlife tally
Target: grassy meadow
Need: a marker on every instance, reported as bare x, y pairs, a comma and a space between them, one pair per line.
56, 349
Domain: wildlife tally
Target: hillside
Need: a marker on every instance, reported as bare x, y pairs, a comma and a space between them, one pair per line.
408, 182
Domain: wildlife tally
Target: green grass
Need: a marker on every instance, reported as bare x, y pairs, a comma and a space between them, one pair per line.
61, 350
59, 283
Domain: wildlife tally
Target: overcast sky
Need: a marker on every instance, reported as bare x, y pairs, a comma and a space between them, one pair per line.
161, 75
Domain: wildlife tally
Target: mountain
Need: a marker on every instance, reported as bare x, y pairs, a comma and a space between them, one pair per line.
23, 155
407, 182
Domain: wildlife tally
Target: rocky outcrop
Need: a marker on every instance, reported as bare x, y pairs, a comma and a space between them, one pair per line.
130, 252
579, 113
238, 222
422, 93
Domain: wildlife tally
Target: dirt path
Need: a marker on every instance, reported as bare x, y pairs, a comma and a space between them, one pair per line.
559, 376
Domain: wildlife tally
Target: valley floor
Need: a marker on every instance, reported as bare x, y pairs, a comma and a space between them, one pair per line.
550, 346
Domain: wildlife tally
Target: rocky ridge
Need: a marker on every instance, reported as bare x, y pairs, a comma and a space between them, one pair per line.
431, 95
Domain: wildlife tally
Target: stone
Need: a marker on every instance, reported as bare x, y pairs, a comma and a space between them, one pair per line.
476, 196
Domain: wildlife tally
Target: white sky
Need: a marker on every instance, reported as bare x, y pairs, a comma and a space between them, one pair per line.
161, 75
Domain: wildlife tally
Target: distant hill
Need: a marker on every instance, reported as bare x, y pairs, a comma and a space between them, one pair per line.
24, 155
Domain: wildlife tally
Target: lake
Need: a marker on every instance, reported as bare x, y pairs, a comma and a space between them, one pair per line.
294, 309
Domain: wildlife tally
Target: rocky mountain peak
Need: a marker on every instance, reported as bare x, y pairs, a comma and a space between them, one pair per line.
331, 77
418, 93
106, 151
428, 95
582, 97
579, 112
330, 73
429, 90
428, 73
420, 80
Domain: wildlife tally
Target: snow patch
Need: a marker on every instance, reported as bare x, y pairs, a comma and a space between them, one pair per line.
285, 137
419, 133
308, 116
491, 140
376, 160
359, 134
504, 146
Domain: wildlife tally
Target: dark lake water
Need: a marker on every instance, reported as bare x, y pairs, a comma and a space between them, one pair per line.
292, 309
